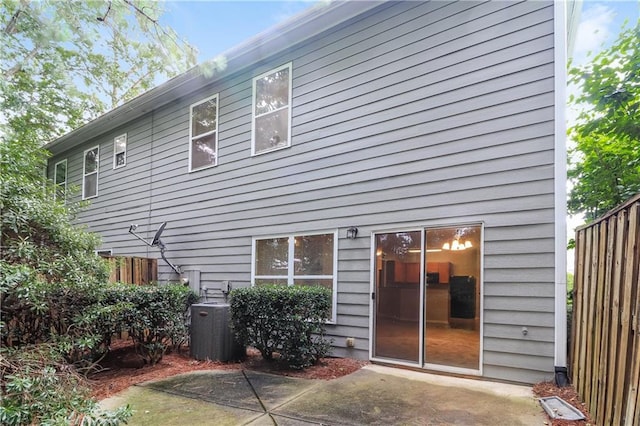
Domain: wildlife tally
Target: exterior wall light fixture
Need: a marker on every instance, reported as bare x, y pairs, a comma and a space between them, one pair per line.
352, 233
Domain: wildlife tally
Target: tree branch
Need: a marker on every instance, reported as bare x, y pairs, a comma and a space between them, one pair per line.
11, 26
18, 67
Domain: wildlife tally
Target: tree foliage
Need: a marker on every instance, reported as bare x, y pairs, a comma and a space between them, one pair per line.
50, 278
604, 167
65, 62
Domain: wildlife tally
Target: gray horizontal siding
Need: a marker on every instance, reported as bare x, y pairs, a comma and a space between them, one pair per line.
412, 114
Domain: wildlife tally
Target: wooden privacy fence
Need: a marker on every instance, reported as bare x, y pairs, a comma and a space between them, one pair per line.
133, 270
605, 350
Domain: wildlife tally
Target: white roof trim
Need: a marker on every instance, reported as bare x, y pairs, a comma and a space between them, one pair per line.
299, 28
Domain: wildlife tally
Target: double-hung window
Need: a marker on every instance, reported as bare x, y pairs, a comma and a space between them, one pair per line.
120, 151
60, 179
90, 173
306, 259
271, 127
203, 134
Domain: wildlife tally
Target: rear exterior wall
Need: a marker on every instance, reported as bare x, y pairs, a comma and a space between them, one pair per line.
412, 114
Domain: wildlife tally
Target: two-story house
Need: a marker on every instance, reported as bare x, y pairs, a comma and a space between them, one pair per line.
409, 156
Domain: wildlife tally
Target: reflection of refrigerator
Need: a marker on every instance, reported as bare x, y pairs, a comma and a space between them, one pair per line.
388, 273
462, 296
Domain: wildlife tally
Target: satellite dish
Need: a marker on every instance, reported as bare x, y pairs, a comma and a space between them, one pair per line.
156, 242
156, 238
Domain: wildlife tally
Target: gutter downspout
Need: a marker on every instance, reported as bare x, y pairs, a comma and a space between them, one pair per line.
560, 179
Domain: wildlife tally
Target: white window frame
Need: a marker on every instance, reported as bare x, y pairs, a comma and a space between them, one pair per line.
55, 179
253, 109
290, 277
84, 175
192, 136
116, 152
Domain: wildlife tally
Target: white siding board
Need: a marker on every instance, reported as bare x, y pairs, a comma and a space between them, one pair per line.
520, 374
520, 304
517, 346
539, 363
537, 334
515, 289
525, 319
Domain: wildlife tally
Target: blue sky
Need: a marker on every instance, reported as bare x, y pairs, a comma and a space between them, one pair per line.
600, 24
215, 26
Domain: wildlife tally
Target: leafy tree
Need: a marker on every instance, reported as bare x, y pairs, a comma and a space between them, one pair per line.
50, 279
604, 167
63, 63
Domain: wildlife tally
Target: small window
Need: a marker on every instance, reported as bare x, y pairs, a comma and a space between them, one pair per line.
308, 259
120, 151
203, 134
60, 179
104, 252
90, 173
271, 127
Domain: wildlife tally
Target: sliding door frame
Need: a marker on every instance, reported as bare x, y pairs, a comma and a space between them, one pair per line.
422, 310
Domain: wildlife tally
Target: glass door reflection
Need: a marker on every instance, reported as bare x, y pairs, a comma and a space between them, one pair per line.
397, 296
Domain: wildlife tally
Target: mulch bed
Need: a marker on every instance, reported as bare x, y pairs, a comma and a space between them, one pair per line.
567, 393
123, 368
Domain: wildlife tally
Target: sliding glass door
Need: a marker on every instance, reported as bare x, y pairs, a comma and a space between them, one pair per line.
452, 299
397, 296
427, 297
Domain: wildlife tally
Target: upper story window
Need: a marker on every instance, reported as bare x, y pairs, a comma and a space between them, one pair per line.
90, 173
120, 151
203, 134
307, 259
60, 179
271, 127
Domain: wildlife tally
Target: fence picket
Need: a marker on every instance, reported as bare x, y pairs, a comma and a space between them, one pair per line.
605, 358
133, 270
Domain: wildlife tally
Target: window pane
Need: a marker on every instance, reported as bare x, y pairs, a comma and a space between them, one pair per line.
271, 256
272, 131
265, 281
91, 161
204, 118
203, 151
90, 185
313, 255
120, 144
272, 92
120, 159
315, 282
61, 172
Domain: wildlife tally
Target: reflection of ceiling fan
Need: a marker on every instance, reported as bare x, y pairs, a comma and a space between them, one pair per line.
156, 242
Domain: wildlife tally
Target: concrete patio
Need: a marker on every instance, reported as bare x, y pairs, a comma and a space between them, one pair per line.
375, 395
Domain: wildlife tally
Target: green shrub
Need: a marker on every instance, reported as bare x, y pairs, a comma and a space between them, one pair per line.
38, 387
287, 320
155, 316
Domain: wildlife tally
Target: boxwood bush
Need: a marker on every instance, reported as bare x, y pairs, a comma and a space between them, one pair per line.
155, 316
283, 319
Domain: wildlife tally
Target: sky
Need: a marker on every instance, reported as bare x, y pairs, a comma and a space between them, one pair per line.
216, 26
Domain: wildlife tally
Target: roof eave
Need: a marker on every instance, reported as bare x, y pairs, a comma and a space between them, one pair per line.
276, 39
